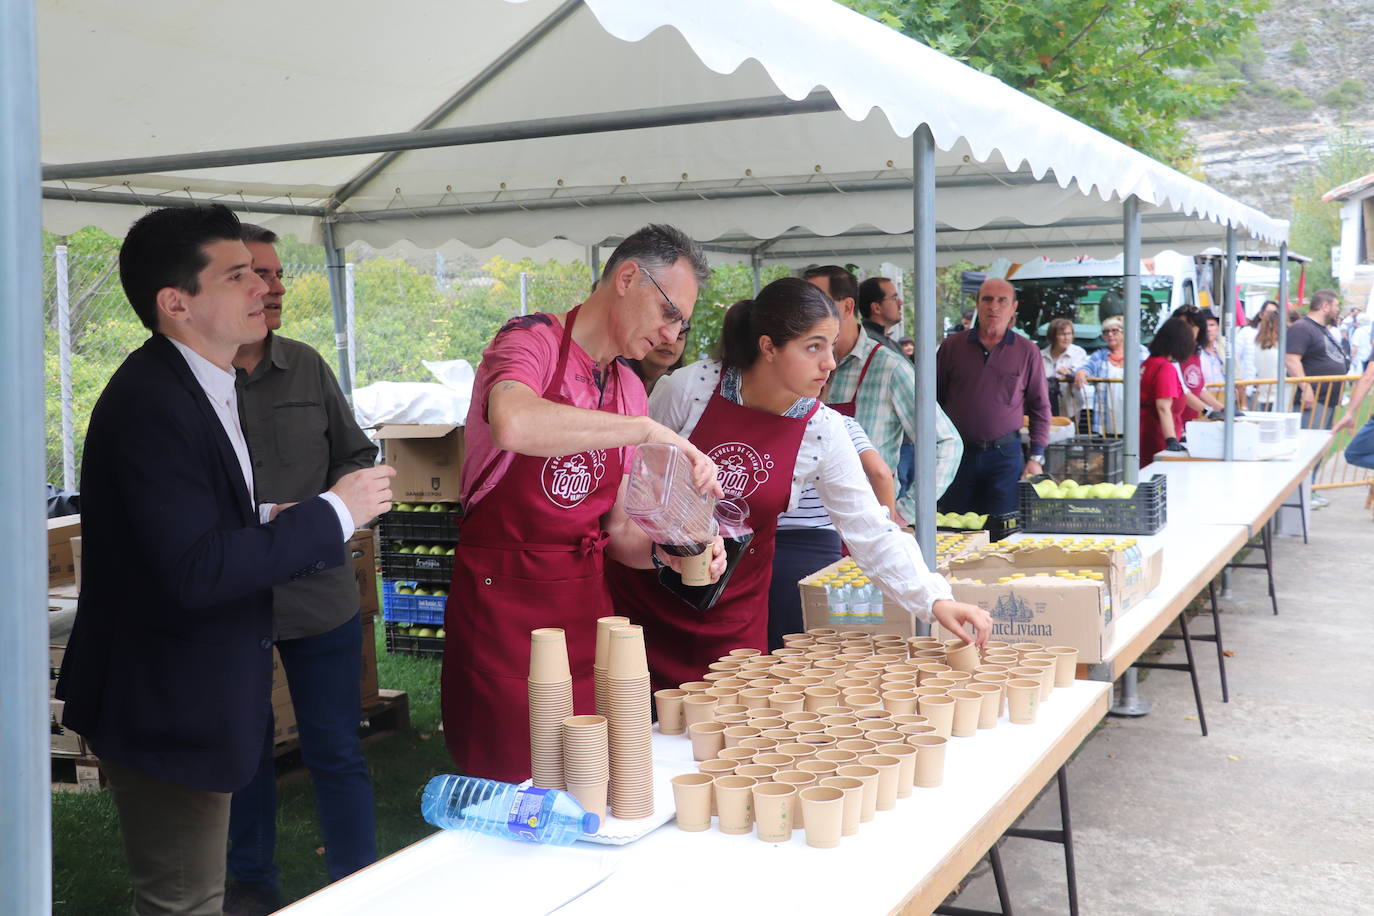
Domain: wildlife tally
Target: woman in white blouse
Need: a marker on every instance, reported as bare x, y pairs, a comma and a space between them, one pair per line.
756, 413
1062, 358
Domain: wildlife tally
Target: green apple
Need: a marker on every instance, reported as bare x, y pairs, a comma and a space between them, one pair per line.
420, 590
449, 552
439, 592
971, 520
940, 520
1103, 490
1045, 489
1125, 490
436, 550
438, 507
1067, 483
404, 590
424, 631
982, 521
439, 633
954, 520
402, 548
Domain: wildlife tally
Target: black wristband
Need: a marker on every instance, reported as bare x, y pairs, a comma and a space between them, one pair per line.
653, 555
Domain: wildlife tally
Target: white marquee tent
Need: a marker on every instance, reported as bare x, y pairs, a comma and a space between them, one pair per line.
766, 128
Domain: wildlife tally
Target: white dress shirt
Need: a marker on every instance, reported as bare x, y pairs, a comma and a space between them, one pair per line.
828, 461
218, 385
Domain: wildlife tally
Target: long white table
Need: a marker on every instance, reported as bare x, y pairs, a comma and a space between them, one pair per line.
905, 861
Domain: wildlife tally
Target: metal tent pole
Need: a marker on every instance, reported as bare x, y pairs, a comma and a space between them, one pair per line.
923, 291
351, 326
1281, 391
1131, 703
756, 268
1228, 326
1130, 380
524, 292
334, 265
62, 280
26, 830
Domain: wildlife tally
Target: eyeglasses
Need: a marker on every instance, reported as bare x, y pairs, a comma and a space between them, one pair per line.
671, 314
269, 275
1111, 330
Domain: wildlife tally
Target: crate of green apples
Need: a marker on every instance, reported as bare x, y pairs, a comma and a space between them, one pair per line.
1069, 507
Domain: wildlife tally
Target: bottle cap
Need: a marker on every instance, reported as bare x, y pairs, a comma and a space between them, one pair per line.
590, 823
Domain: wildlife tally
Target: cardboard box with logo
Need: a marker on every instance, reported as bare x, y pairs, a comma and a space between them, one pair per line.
1129, 574
61, 565
816, 609
1049, 610
428, 458
362, 555
369, 686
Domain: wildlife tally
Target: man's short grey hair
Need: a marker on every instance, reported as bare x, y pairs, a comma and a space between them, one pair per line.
657, 247
252, 232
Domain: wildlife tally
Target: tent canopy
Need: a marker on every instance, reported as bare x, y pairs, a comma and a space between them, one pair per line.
525, 87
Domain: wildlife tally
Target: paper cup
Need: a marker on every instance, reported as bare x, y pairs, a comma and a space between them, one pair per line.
1065, 664
604, 625
940, 712
756, 771
760, 744
625, 657
799, 781
591, 796
889, 769
823, 815
906, 772
698, 708
773, 821
696, 686
549, 656
853, 790
1023, 700
868, 777
991, 706
692, 796
669, 706
962, 658
821, 768
735, 803
859, 746
968, 706
930, 760
1044, 668
708, 739
899, 702
738, 754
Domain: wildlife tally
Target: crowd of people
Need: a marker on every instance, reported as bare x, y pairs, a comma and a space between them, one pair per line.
218, 532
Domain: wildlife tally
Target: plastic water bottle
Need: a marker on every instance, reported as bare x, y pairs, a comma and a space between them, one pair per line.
837, 601
875, 602
547, 816
859, 608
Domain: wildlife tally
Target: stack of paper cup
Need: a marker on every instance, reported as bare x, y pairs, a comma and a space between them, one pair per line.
586, 763
603, 642
629, 724
551, 701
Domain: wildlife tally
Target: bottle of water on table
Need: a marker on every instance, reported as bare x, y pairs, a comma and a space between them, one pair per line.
548, 816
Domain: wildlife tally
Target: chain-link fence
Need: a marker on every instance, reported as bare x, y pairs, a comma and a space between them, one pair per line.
400, 314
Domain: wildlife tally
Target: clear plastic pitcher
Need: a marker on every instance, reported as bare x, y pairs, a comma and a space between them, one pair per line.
663, 501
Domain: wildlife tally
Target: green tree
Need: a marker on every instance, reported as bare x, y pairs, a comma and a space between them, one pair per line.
729, 284
1123, 68
1317, 224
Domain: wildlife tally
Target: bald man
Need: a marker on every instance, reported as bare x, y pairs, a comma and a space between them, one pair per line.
986, 379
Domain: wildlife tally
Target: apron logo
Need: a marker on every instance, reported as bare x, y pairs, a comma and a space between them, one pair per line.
569, 479
740, 468
1192, 377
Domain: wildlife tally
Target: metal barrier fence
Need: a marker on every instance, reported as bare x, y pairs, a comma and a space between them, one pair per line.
1096, 409
399, 315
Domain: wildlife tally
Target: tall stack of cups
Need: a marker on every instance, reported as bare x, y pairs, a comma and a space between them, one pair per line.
629, 724
586, 765
551, 701
603, 642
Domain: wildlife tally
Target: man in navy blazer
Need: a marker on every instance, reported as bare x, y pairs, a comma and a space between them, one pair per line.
168, 671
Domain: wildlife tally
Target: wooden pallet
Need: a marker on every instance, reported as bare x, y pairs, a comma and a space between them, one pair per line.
73, 773
384, 714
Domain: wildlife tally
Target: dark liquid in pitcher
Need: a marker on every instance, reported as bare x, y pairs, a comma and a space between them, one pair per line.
682, 550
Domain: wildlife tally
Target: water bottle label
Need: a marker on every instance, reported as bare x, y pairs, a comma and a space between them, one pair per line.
525, 812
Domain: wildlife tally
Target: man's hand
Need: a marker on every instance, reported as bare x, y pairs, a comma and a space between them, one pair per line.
1345, 422
703, 468
366, 493
1309, 397
1032, 469
717, 568
277, 510
954, 615
1080, 379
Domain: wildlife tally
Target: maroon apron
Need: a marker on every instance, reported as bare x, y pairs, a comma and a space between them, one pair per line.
847, 408
530, 555
680, 640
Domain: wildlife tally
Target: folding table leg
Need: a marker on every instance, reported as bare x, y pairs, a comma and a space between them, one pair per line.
1190, 667
1268, 542
1216, 637
999, 878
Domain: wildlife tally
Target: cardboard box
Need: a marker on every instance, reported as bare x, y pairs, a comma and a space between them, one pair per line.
369, 686
1253, 440
1129, 574
1048, 610
76, 561
816, 610
428, 458
64, 740
61, 530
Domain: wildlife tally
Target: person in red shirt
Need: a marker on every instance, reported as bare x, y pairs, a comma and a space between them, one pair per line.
1162, 391
1198, 401
555, 414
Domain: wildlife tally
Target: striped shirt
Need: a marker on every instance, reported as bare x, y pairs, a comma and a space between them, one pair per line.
810, 512
886, 410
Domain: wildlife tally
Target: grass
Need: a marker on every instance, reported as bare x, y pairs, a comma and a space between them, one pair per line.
89, 874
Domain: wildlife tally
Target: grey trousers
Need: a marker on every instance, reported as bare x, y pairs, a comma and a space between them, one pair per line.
175, 839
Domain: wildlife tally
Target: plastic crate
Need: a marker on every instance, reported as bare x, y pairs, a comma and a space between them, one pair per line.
433, 527
1086, 459
428, 568
400, 641
1146, 512
422, 609
1004, 525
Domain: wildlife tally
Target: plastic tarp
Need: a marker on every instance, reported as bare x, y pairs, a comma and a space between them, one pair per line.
175, 84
